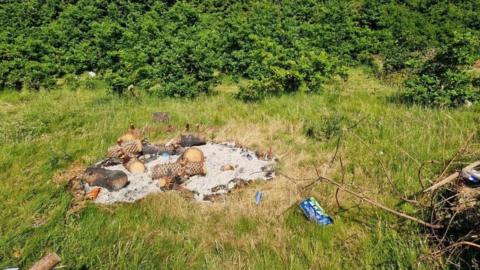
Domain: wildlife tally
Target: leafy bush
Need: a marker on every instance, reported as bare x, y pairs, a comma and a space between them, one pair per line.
174, 48
442, 81
259, 89
309, 72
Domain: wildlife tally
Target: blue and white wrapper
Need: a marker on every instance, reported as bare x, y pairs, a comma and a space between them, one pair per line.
313, 211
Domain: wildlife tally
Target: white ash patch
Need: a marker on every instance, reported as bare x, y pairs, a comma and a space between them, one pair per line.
247, 167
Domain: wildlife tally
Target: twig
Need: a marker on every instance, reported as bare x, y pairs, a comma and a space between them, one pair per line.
457, 244
461, 150
445, 181
343, 181
339, 140
408, 154
372, 202
419, 172
451, 178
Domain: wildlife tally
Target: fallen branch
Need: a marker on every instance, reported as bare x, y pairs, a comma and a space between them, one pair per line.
443, 182
372, 202
462, 150
455, 245
451, 178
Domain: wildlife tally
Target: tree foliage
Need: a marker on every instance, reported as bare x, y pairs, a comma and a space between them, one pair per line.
442, 80
175, 48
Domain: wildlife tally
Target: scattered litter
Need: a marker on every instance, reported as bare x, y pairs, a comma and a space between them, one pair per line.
93, 194
471, 175
46, 263
258, 197
135, 168
454, 206
313, 211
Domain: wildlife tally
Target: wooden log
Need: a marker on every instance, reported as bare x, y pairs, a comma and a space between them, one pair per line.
156, 149
109, 179
46, 263
191, 139
192, 155
172, 170
131, 135
194, 168
166, 170
135, 166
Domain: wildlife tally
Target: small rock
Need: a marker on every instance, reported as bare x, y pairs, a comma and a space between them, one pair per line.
227, 167
92, 74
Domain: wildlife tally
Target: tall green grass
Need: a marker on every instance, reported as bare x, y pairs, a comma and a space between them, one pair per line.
44, 133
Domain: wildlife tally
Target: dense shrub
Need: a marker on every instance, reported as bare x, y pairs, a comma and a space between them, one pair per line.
308, 72
442, 80
174, 48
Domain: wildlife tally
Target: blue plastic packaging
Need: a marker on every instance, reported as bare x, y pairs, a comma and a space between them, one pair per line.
258, 197
472, 177
313, 211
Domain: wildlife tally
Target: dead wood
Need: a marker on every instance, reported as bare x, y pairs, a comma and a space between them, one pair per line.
450, 178
443, 182
109, 179
377, 204
135, 166
190, 139
457, 154
46, 263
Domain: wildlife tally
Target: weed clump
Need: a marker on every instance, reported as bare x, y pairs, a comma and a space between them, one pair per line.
326, 128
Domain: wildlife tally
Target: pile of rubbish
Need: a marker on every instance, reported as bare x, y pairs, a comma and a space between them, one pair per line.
455, 207
135, 168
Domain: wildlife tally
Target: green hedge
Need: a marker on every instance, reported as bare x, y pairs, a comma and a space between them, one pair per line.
174, 48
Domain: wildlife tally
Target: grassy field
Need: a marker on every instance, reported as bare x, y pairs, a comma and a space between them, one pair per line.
46, 137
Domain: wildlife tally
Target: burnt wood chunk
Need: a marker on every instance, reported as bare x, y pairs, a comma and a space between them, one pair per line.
109, 179
190, 139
